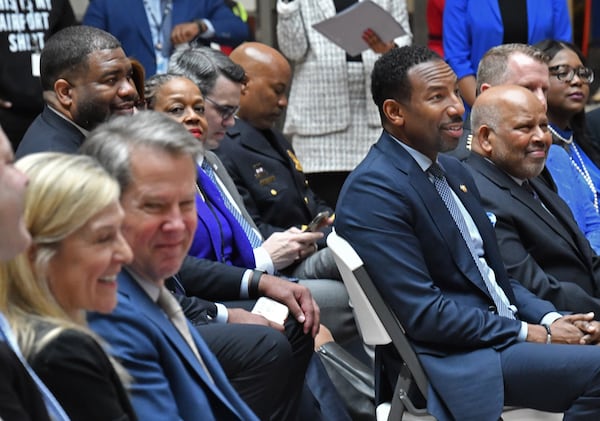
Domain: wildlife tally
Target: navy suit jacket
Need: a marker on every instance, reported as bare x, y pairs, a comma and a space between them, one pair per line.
547, 252
50, 132
128, 22
269, 177
392, 215
168, 380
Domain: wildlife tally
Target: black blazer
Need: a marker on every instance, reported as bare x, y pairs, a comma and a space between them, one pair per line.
50, 132
546, 252
20, 399
269, 177
79, 374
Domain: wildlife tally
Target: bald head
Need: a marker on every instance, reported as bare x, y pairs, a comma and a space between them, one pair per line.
510, 128
268, 77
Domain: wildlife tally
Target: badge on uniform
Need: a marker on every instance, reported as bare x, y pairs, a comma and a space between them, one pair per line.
262, 175
297, 163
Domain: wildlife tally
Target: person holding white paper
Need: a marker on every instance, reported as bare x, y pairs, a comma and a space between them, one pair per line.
330, 117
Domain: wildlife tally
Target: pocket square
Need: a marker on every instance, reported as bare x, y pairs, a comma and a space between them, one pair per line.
492, 218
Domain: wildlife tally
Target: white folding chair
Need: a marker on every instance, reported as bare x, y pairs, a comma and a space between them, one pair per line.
379, 326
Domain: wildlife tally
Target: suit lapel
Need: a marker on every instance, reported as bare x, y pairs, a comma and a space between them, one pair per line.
140, 23
150, 310
567, 228
437, 210
518, 193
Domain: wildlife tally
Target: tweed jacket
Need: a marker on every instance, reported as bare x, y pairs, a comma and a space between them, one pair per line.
320, 67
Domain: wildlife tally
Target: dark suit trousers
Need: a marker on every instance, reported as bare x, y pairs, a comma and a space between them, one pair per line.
265, 367
556, 378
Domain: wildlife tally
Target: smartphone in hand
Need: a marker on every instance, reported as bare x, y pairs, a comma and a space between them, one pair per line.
271, 310
317, 221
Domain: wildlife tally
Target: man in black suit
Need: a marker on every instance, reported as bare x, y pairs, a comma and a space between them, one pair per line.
20, 398
540, 242
415, 218
257, 156
86, 78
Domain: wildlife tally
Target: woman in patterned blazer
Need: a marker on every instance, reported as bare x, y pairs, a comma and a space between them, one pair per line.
330, 117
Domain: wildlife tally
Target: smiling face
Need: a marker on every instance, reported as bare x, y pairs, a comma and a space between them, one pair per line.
82, 273
432, 119
104, 89
519, 142
565, 99
160, 212
181, 100
13, 184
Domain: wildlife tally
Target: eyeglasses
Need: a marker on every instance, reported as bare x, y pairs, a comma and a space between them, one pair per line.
225, 111
566, 73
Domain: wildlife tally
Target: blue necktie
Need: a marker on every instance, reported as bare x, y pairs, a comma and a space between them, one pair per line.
254, 239
54, 409
444, 190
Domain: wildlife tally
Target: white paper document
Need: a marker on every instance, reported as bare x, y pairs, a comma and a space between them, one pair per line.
346, 28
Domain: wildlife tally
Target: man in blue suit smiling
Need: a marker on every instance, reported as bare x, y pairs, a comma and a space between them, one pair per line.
175, 375
415, 218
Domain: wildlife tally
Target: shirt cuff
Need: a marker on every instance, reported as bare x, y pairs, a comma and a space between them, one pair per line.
263, 260
550, 318
244, 294
523, 332
222, 313
210, 29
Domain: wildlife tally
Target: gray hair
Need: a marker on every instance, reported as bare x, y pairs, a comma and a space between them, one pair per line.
493, 67
203, 65
153, 85
112, 142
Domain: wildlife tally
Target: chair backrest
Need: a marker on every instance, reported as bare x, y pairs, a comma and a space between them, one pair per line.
377, 323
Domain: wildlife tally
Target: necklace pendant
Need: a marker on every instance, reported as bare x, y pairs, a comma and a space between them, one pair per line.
158, 46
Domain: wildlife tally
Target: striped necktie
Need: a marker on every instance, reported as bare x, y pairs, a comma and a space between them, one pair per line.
254, 239
54, 409
444, 190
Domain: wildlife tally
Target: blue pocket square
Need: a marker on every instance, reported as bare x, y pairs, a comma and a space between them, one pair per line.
492, 218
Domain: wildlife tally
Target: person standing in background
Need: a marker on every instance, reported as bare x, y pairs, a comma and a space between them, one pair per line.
331, 120
20, 46
472, 27
435, 16
150, 29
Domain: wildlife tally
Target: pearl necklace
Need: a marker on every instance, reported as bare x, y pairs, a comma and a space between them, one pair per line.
561, 138
579, 166
582, 169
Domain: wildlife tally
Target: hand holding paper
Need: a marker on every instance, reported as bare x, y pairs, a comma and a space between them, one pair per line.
353, 29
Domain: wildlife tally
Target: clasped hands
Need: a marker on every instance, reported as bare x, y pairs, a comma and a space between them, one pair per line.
578, 328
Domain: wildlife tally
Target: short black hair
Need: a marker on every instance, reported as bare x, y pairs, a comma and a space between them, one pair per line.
389, 79
66, 52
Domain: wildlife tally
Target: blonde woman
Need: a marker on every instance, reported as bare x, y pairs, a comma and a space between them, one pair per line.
73, 214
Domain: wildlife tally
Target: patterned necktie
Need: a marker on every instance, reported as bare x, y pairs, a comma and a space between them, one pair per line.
254, 239
54, 409
444, 190
174, 312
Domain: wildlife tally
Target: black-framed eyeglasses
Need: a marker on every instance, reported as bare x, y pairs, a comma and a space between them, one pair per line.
224, 111
566, 73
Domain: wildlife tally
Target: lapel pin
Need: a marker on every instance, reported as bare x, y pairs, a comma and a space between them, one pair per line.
463, 188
